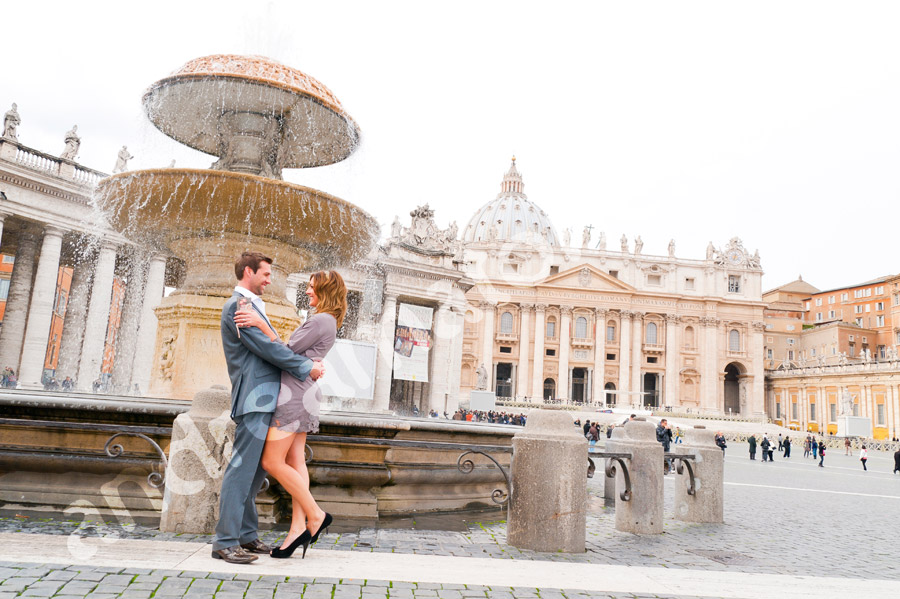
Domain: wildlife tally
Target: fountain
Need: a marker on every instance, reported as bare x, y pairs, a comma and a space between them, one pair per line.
258, 117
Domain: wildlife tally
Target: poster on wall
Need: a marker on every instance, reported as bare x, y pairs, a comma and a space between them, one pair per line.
412, 343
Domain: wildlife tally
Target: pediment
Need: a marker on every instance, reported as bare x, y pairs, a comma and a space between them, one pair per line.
585, 276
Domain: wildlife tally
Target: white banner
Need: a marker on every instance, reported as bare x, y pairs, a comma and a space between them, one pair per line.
412, 343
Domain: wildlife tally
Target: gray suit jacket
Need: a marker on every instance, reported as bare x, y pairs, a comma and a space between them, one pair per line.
255, 364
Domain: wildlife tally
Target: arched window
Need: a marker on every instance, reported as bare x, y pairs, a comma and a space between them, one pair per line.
651, 333
551, 328
611, 331
506, 322
549, 388
734, 340
610, 397
689, 337
581, 327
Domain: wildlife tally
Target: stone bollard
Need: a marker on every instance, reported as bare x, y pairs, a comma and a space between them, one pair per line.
707, 503
198, 454
548, 499
609, 482
643, 514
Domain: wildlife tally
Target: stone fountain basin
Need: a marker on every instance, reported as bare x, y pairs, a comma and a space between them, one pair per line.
176, 203
189, 108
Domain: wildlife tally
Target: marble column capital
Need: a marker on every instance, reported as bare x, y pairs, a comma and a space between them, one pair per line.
53, 231
758, 325
600, 313
108, 245
526, 307
540, 308
566, 310
672, 318
626, 314
487, 305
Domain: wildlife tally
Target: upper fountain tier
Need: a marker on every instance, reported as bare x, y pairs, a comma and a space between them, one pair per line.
257, 115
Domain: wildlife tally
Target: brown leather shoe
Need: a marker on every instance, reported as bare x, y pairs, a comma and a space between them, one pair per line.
234, 555
257, 546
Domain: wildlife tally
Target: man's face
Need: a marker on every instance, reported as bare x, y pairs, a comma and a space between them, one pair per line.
259, 280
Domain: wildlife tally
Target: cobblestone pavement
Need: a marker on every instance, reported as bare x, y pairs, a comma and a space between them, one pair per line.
788, 517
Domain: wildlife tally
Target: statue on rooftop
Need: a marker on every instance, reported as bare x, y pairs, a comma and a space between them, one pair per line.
122, 160
73, 142
586, 236
710, 251
638, 245
396, 228
671, 248
11, 121
601, 243
624, 242
567, 236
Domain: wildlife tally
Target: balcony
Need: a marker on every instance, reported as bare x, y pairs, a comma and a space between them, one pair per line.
585, 342
654, 348
507, 337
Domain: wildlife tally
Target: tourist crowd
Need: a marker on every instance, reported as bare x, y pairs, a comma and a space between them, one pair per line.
491, 417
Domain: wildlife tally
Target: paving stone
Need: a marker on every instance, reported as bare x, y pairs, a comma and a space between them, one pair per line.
17, 583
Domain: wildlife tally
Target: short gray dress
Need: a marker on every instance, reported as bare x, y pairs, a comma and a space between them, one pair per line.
298, 401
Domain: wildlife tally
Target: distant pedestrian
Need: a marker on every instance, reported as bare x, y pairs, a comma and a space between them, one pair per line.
787, 447
847, 446
806, 447
897, 461
664, 436
815, 447
765, 444
586, 427
593, 434
609, 430
752, 442
720, 441
780, 442
864, 457
821, 453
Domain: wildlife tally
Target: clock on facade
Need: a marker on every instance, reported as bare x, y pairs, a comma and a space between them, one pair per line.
735, 256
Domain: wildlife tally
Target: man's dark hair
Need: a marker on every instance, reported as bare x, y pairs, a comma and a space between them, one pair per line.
251, 259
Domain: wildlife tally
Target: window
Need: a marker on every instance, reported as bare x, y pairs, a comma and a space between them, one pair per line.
857, 309
7, 259
611, 357
791, 355
879, 290
832, 412
794, 411
778, 410
689, 337
818, 301
769, 353
652, 359
859, 322
831, 299
881, 414
610, 332
818, 317
551, 352
897, 299
734, 284
812, 410
845, 297
655, 280
551, 328
614, 274
554, 270
790, 327
812, 352
689, 283
506, 323
831, 314
4, 289
505, 350
790, 341
734, 340
868, 308
879, 320
651, 333
879, 306
865, 339
61, 300
581, 327
881, 352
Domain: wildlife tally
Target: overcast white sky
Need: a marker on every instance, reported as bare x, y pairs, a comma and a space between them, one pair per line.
777, 122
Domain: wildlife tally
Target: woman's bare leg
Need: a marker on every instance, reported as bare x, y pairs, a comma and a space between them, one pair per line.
297, 459
275, 452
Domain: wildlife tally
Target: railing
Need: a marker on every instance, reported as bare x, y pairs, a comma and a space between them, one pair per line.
507, 337
582, 342
37, 160
53, 165
656, 348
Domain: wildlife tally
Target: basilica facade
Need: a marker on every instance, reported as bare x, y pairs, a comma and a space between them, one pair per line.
546, 320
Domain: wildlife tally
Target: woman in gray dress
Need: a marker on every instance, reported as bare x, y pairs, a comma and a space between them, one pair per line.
297, 412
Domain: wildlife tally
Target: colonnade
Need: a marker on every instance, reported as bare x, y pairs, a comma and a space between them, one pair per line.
25, 331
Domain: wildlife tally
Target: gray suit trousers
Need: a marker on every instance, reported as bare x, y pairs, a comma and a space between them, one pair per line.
238, 520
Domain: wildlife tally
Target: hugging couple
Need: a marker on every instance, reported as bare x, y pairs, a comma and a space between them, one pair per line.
275, 403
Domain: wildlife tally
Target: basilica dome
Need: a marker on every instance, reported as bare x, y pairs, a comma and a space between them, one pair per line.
511, 216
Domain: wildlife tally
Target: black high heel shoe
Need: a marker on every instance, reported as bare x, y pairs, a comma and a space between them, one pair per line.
325, 524
303, 539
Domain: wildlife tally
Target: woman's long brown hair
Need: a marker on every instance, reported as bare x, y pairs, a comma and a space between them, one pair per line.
332, 293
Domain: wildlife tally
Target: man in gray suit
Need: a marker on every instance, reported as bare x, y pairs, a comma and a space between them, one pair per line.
255, 364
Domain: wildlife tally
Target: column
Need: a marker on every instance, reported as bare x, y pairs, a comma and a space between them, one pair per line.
132, 307
145, 345
487, 348
73, 325
622, 397
524, 332
537, 373
710, 372
40, 311
440, 362
458, 317
565, 342
671, 360
637, 354
384, 364
756, 402
97, 317
598, 378
12, 332
3, 216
